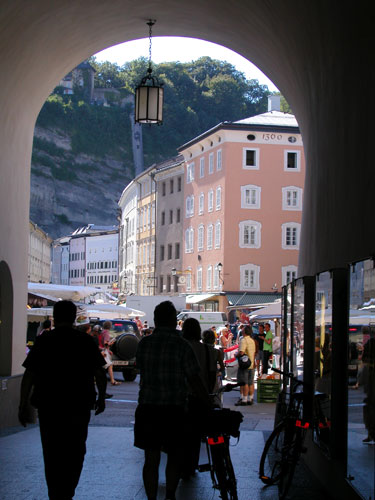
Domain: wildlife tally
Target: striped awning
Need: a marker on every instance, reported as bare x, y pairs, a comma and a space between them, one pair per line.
241, 299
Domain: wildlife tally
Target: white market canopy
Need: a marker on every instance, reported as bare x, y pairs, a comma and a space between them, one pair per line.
114, 311
101, 311
269, 312
63, 292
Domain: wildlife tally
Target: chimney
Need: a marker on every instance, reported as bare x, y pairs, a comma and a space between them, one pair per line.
274, 103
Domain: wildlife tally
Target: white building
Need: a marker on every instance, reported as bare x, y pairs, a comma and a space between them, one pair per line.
128, 238
102, 261
93, 257
77, 259
60, 261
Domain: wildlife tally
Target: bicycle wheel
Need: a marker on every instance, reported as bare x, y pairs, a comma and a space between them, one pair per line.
271, 462
291, 453
224, 473
232, 482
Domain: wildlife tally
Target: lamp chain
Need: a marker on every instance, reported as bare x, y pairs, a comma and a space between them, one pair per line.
150, 24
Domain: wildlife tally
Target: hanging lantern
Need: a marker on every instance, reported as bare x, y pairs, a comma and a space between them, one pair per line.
149, 94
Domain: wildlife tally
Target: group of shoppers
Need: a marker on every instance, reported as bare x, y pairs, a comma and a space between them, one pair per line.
179, 370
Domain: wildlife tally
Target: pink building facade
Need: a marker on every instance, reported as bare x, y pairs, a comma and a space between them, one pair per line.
243, 199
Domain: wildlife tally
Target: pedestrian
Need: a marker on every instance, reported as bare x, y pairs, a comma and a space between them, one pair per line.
245, 376
191, 331
366, 378
179, 324
87, 328
63, 401
267, 347
208, 338
226, 337
259, 357
46, 326
139, 323
105, 341
165, 361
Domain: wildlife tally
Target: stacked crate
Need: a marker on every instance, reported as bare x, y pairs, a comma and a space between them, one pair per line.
268, 390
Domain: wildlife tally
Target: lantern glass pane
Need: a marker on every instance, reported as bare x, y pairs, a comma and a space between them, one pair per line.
152, 104
160, 111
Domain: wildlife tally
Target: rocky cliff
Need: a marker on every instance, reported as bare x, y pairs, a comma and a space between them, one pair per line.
71, 190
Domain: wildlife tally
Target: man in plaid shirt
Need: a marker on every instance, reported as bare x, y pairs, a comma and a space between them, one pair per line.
166, 362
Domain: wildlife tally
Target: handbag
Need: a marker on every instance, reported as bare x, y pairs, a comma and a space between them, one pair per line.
244, 362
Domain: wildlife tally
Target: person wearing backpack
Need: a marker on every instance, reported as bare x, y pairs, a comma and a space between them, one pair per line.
245, 374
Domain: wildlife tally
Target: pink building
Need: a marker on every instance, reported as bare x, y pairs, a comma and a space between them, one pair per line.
243, 204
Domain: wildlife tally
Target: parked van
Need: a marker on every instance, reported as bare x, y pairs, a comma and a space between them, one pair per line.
206, 319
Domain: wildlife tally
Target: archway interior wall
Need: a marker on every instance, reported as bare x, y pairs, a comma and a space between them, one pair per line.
298, 45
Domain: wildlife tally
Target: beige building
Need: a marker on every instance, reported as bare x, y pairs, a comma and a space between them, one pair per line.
169, 178
243, 204
39, 259
145, 278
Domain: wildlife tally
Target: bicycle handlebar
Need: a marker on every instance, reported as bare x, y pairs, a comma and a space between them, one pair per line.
226, 388
289, 375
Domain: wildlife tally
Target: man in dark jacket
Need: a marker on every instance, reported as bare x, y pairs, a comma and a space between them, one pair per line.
166, 362
61, 370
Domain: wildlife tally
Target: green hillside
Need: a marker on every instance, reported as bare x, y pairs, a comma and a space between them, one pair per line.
83, 150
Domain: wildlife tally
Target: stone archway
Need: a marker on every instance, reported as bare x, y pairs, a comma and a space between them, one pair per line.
316, 53
6, 319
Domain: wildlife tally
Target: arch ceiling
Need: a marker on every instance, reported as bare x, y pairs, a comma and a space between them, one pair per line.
320, 55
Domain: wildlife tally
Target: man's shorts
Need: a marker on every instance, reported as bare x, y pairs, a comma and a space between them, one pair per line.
259, 356
245, 377
159, 427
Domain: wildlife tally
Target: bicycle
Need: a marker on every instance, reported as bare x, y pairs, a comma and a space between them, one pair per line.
284, 446
222, 423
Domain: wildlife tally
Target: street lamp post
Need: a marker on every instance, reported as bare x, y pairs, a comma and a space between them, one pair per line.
220, 268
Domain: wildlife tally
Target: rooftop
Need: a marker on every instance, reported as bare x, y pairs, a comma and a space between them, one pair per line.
271, 118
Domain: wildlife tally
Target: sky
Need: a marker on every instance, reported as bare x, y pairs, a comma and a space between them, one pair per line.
165, 49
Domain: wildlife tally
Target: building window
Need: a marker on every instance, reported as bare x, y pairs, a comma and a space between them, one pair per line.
161, 284
288, 274
190, 173
210, 200
292, 161
163, 189
209, 278
169, 251
189, 240
162, 218
216, 278
179, 184
201, 204
188, 279
199, 278
210, 230
211, 163
292, 198
200, 237
177, 251
171, 186
219, 162
201, 168
161, 252
170, 216
168, 283
250, 159
190, 206
249, 277
217, 234
250, 234
218, 198
250, 196
290, 235
178, 215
